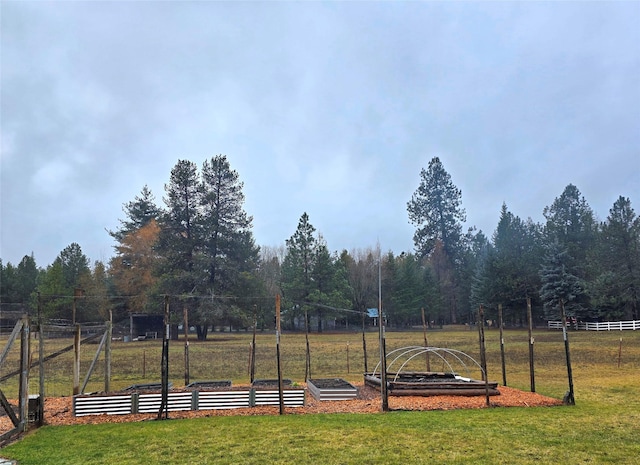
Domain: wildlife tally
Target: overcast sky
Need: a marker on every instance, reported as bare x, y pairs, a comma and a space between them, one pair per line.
326, 107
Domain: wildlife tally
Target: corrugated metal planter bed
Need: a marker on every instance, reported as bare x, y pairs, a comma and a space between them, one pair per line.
431, 384
190, 399
331, 389
270, 383
217, 384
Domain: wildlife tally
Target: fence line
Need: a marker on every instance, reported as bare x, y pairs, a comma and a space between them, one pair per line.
602, 326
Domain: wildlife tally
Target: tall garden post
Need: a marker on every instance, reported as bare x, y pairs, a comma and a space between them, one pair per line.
185, 315
426, 342
483, 353
25, 351
500, 324
76, 361
364, 343
383, 349
41, 363
307, 365
252, 366
280, 388
532, 374
163, 411
107, 353
569, 398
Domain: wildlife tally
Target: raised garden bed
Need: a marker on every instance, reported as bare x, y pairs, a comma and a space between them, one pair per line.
134, 402
431, 384
331, 389
270, 383
218, 384
145, 387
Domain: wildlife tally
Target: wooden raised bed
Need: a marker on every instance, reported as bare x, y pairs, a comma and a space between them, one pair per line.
431, 384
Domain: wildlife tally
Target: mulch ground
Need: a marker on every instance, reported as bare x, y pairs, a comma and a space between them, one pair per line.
58, 410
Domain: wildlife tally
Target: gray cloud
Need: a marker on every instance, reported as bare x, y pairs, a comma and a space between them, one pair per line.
329, 108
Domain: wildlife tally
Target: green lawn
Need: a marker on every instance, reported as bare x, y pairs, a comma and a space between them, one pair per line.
604, 426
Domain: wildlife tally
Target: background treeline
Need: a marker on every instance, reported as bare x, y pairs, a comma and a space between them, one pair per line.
199, 248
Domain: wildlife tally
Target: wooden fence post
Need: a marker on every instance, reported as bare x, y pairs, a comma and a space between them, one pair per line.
107, 353
532, 373
25, 351
569, 398
280, 389
76, 360
40, 363
500, 324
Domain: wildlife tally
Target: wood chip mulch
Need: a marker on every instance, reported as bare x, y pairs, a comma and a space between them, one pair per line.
58, 410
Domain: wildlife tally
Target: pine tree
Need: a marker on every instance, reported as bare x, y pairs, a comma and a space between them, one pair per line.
436, 211
616, 292
179, 233
139, 213
297, 268
559, 284
570, 223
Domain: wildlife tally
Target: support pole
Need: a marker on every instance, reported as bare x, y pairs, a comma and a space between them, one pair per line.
76, 361
426, 342
483, 354
280, 388
40, 363
163, 411
364, 343
107, 354
252, 365
532, 373
383, 349
569, 398
185, 317
307, 366
502, 362
25, 337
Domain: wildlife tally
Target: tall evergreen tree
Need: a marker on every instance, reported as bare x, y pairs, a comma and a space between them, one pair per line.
297, 267
436, 211
206, 243
180, 235
228, 245
513, 264
616, 292
27, 278
139, 213
571, 224
56, 295
74, 263
229, 255
559, 284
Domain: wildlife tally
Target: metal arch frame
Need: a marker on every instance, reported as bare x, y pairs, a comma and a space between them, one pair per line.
435, 350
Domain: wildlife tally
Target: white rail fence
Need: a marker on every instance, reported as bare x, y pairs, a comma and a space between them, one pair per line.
603, 326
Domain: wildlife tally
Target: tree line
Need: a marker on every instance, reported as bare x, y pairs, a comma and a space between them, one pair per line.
199, 249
